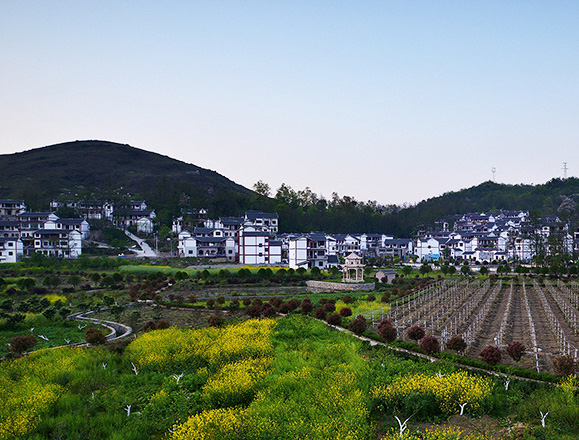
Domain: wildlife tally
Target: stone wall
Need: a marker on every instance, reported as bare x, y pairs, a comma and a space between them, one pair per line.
324, 286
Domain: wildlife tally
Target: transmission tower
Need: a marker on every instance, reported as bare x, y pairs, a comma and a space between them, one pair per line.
565, 170
494, 170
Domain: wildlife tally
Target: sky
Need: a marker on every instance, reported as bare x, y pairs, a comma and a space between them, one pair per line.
393, 101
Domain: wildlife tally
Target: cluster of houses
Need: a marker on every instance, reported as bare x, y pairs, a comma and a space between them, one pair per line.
23, 233
254, 239
123, 215
493, 238
473, 238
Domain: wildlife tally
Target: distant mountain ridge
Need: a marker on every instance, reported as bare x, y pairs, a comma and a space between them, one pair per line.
101, 169
92, 168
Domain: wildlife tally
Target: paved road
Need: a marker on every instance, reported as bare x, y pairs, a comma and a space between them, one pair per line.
146, 250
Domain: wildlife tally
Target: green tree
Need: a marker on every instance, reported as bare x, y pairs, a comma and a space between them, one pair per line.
262, 189
425, 269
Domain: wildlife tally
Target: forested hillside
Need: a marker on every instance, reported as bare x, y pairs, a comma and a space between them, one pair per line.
107, 170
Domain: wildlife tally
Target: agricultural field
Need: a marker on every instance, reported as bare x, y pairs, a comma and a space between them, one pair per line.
285, 378
250, 354
541, 315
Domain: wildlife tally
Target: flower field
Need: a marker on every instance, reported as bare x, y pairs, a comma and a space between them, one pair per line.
291, 378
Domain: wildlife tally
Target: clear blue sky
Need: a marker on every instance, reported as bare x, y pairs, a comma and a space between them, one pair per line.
394, 101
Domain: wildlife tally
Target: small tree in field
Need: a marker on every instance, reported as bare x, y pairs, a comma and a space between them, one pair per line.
430, 344
320, 313
564, 365
516, 350
387, 331
215, 321
456, 343
358, 325
346, 311
329, 307
415, 333
20, 344
268, 311
306, 306
491, 354
334, 319
95, 337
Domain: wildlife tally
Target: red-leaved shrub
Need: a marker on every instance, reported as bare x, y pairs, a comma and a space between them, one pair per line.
491, 354
387, 331
415, 333
516, 350
334, 319
430, 344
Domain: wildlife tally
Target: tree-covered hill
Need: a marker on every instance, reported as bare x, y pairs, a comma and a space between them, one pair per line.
99, 169
105, 170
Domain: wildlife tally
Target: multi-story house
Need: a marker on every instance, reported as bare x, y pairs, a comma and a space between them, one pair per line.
57, 243
141, 218
11, 249
264, 221
9, 228
258, 247
11, 208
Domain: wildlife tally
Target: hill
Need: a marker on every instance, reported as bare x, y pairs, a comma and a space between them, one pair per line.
543, 200
100, 169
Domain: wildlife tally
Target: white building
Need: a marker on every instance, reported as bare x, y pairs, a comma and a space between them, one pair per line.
57, 243
10, 207
11, 249
258, 248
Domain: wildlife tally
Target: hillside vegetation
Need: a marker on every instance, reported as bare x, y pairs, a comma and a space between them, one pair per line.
100, 169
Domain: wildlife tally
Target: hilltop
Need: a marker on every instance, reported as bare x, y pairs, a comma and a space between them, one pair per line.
99, 169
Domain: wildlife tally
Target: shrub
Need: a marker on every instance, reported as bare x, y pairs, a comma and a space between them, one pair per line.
94, 336
215, 321
385, 298
20, 344
268, 311
334, 319
162, 324
491, 354
221, 300
234, 304
253, 311
293, 304
210, 303
347, 299
246, 302
387, 331
346, 311
322, 301
430, 345
358, 325
415, 333
516, 350
149, 325
320, 313
275, 302
371, 298
329, 307
284, 308
564, 365
257, 302
306, 306
456, 343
